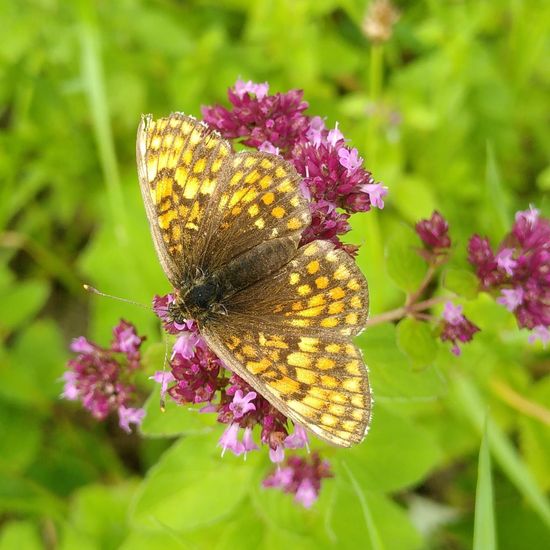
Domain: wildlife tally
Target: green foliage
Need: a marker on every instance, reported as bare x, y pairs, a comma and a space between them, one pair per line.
450, 113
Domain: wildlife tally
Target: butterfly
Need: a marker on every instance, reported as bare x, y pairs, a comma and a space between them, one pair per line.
227, 228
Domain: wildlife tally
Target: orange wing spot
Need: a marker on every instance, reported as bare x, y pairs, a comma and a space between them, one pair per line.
324, 363
313, 267
249, 162
266, 181
237, 196
280, 172
234, 343
191, 188
335, 308
155, 143
329, 322
331, 256
304, 290
216, 165
164, 189
351, 350
337, 293
329, 420
306, 376
208, 187
341, 273
199, 166
166, 218
317, 300
268, 198
333, 348
312, 311
357, 414
356, 302
259, 223
294, 223
237, 160
237, 177
313, 403
255, 367
294, 201
337, 410
278, 212
353, 284
329, 381
176, 233
266, 163
321, 282
297, 306
299, 359
274, 343
357, 401
353, 367
195, 212
187, 156
254, 210
301, 323
294, 278
151, 168
352, 384
253, 177
351, 319
275, 355
249, 351
309, 345
349, 425
310, 249
285, 186
286, 385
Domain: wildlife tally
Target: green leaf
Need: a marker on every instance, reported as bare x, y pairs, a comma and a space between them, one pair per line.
416, 340
501, 448
20, 302
378, 466
175, 420
403, 263
461, 282
389, 369
484, 523
17, 535
192, 485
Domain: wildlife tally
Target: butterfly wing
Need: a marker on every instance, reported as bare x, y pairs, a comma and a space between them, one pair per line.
207, 205
181, 165
289, 337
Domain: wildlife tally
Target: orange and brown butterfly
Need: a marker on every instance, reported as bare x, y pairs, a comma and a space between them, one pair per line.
227, 228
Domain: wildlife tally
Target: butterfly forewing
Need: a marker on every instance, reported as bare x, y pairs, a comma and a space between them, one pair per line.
181, 164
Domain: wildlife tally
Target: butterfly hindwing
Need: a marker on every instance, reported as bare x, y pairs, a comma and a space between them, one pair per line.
277, 337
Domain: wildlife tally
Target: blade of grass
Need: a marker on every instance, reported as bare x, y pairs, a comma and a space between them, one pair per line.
93, 80
484, 523
502, 450
495, 196
374, 535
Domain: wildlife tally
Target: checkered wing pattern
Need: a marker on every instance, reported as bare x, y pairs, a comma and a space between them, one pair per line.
289, 337
181, 165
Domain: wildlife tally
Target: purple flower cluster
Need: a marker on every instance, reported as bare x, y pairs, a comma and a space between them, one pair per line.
434, 234
197, 376
334, 179
300, 477
519, 273
455, 327
101, 378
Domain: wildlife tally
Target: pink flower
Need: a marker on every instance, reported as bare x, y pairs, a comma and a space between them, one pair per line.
376, 192
248, 441
334, 136
349, 159
316, 131
241, 405
249, 87
185, 344
455, 327
129, 415
452, 314
434, 232
540, 333
267, 147
163, 378
505, 261
511, 298
298, 439
229, 440
277, 454
306, 494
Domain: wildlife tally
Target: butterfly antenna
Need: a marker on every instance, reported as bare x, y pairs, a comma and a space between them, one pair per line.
93, 290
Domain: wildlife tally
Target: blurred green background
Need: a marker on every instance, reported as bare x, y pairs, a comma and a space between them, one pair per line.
450, 113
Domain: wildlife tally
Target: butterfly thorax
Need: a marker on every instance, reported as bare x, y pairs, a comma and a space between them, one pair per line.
206, 294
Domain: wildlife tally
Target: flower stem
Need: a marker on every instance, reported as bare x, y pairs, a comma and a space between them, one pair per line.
400, 312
